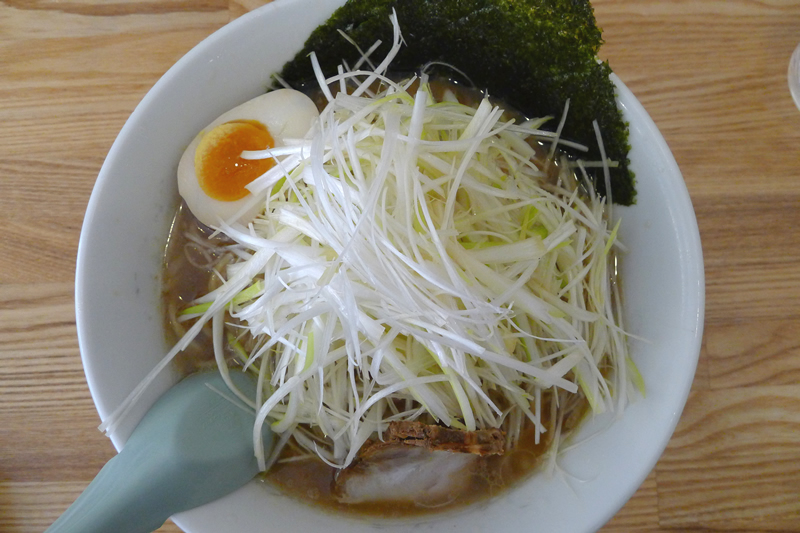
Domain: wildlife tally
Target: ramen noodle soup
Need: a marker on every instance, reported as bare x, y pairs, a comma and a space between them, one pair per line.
421, 281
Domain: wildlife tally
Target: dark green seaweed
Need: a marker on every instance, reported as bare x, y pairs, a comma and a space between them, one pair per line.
533, 54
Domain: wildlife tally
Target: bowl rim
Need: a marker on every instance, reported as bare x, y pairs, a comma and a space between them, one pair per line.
691, 249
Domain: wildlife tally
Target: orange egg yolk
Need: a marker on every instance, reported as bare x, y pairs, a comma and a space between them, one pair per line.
221, 172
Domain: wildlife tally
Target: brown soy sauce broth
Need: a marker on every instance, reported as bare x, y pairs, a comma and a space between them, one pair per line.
191, 257
312, 481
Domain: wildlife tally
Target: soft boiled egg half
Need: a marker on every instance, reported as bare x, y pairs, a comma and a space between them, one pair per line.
212, 175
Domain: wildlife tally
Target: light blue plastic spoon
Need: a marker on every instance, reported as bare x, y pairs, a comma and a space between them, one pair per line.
192, 447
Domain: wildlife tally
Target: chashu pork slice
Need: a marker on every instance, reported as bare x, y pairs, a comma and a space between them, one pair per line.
427, 464
432, 437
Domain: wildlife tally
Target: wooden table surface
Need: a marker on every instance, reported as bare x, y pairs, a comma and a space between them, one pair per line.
712, 74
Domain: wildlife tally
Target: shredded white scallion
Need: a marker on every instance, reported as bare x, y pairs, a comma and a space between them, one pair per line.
419, 258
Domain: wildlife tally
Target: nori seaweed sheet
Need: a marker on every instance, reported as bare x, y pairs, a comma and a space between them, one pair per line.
532, 54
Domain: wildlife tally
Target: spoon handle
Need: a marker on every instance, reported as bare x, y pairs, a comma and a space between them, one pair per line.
120, 499
192, 447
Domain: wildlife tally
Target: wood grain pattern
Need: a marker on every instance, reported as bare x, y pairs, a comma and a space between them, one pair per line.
712, 74
733, 461
756, 352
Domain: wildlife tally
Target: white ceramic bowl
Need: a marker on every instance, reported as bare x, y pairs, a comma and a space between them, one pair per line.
120, 321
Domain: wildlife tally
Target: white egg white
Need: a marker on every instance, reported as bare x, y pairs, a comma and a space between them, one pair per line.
286, 113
